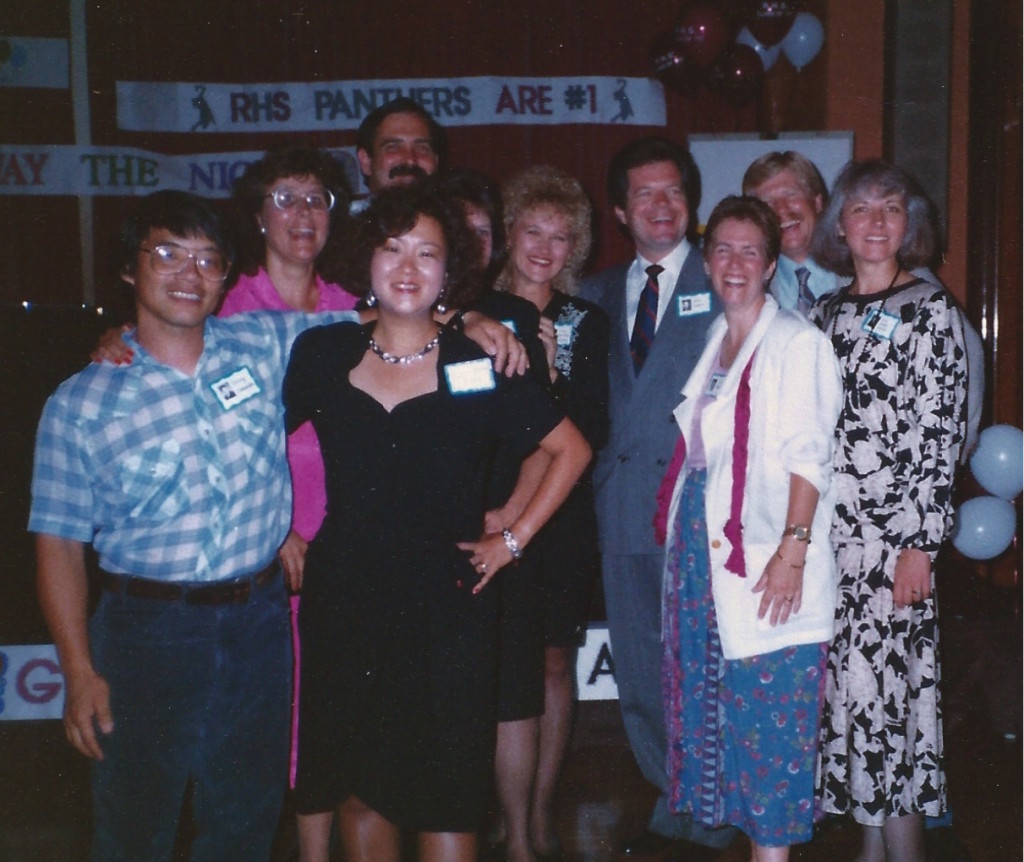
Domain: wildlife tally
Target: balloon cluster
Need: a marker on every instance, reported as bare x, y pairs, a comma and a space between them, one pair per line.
730, 45
985, 526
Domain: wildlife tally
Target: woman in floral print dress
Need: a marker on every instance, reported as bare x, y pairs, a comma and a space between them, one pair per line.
899, 340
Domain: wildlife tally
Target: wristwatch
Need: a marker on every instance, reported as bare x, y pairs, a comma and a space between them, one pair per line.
800, 532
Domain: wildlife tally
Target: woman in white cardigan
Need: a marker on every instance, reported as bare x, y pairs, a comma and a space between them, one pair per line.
750, 579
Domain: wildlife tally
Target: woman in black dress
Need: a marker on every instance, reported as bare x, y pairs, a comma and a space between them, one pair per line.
547, 221
398, 645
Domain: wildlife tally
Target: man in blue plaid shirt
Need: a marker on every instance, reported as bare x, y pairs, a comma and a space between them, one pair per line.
174, 468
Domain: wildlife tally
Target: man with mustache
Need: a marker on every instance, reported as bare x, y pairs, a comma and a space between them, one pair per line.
399, 143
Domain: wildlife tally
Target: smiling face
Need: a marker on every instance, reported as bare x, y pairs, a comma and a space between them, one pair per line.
297, 235
402, 153
656, 212
407, 272
796, 208
874, 225
737, 263
178, 302
540, 242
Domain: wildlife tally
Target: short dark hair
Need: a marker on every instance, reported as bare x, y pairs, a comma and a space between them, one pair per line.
767, 166
182, 214
394, 212
749, 209
874, 175
466, 186
250, 189
648, 151
366, 135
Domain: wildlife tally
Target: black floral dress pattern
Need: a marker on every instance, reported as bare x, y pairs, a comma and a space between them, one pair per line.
898, 440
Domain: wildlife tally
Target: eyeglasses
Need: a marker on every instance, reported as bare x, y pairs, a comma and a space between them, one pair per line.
170, 259
285, 199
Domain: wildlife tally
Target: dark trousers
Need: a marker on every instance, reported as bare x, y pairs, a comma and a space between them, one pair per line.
200, 692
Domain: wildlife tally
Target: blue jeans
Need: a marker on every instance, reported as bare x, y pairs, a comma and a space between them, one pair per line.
200, 692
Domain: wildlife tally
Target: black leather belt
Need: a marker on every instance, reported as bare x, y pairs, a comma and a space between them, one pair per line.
234, 591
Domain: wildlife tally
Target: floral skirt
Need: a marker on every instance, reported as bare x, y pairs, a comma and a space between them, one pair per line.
742, 735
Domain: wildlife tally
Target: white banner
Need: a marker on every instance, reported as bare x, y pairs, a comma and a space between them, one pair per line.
31, 684
89, 171
147, 106
32, 62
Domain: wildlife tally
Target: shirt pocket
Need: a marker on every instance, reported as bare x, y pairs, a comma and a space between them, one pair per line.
153, 482
260, 433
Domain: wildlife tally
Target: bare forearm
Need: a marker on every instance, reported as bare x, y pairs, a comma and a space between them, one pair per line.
63, 593
569, 453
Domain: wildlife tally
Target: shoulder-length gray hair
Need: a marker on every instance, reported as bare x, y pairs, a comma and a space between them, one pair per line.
878, 177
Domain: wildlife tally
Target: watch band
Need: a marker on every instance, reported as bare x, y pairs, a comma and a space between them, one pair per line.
800, 532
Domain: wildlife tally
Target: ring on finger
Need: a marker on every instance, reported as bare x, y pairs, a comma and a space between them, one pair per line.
787, 599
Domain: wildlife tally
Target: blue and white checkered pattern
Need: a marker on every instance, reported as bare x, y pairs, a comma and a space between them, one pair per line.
165, 477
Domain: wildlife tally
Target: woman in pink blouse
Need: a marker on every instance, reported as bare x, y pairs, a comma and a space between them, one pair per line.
290, 207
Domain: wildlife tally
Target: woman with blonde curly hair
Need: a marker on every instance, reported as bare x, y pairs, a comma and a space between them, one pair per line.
545, 603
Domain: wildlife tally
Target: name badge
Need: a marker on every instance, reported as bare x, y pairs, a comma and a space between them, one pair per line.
880, 324
511, 324
715, 384
563, 334
693, 303
475, 375
237, 387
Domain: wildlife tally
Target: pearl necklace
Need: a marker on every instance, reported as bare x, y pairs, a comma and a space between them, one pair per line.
408, 359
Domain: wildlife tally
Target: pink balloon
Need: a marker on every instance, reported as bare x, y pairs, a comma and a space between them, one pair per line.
672, 67
702, 33
770, 20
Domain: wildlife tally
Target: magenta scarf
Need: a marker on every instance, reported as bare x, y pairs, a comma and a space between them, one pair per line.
741, 427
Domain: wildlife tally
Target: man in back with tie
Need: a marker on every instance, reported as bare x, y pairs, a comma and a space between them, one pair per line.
659, 305
792, 186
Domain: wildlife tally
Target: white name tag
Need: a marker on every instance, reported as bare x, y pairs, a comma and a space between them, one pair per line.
237, 387
880, 324
693, 303
475, 375
563, 334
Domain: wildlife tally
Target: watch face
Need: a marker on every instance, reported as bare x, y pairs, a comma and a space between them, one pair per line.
800, 533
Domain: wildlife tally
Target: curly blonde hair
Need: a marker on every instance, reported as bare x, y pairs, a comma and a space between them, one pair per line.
544, 186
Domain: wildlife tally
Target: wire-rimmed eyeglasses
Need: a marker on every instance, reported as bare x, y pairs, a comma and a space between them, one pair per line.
286, 199
169, 258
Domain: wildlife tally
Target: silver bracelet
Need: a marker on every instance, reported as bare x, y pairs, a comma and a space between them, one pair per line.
512, 544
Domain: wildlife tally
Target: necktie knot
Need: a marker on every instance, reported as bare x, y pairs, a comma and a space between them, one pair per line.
646, 318
805, 299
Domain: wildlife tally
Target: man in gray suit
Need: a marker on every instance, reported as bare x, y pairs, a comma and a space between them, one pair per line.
660, 306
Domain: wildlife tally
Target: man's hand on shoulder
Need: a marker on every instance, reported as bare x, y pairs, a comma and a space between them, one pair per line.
498, 341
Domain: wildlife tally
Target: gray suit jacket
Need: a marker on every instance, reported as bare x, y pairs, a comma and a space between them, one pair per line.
643, 431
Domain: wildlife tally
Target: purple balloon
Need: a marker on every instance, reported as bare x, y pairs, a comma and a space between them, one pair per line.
672, 67
737, 74
770, 20
702, 34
